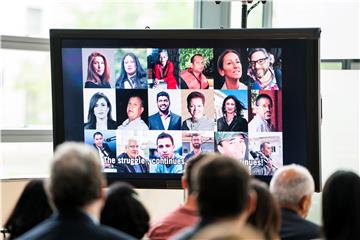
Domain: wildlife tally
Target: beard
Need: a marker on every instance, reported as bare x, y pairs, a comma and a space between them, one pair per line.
260, 73
166, 110
197, 145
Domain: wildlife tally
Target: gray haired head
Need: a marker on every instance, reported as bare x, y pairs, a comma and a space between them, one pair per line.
290, 184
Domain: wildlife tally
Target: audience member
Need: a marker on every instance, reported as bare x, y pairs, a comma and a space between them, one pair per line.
75, 188
183, 216
123, 211
341, 206
221, 185
267, 213
293, 186
24, 216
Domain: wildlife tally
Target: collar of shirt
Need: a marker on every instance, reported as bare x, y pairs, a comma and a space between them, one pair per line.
164, 116
128, 122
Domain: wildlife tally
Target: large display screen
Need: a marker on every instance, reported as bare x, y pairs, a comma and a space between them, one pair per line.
148, 101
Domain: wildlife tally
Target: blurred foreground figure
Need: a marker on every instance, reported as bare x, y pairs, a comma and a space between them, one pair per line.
25, 216
341, 206
75, 188
185, 215
123, 210
266, 216
221, 185
293, 186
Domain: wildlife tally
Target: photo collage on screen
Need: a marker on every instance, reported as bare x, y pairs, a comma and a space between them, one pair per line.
149, 110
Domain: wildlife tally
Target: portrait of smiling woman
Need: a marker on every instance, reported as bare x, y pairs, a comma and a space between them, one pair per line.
98, 74
230, 69
132, 74
99, 114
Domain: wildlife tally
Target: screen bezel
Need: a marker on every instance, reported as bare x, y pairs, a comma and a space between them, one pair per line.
149, 38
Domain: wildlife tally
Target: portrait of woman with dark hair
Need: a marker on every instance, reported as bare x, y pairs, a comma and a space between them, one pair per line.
98, 74
164, 71
123, 210
99, 114
132, 74
232, 119
31, 209
230, 68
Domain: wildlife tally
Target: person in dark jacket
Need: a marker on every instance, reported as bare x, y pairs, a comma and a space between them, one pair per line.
124, 211
164, 119
76, 190
292, 187
24, 217
340, 206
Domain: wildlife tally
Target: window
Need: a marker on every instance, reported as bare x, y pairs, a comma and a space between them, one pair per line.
26, 89
26, 72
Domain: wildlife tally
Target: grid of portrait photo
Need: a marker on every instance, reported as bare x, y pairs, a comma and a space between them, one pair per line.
149, 110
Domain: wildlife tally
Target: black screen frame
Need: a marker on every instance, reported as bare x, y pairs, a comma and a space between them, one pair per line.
310, 117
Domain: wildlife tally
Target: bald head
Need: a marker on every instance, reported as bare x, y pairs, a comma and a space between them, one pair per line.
290, 184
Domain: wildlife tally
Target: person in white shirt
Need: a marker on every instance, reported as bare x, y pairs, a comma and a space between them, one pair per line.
263, 109
134, 110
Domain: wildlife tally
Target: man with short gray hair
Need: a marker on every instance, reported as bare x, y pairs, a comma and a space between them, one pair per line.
76, 189
293, 186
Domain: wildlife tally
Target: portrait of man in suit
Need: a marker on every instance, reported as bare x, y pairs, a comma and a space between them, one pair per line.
164, 119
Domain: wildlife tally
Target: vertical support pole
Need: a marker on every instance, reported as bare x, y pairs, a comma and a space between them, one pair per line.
244, 14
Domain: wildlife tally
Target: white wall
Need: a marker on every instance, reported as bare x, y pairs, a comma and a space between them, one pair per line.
340, 126
338, 19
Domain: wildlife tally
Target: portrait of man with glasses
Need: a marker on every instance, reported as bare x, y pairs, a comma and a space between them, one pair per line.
260, 71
